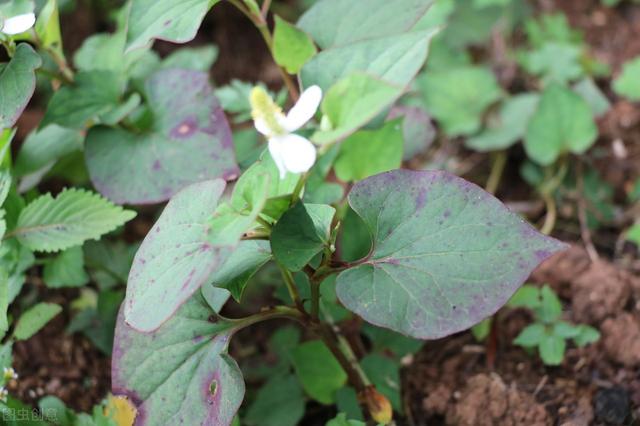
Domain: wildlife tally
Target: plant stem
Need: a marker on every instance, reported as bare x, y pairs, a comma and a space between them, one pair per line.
297, 191
292, 288
550, 218
497, 169
261, 23
275, 312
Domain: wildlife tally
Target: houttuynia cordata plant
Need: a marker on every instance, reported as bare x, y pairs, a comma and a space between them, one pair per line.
440, 254
317, 195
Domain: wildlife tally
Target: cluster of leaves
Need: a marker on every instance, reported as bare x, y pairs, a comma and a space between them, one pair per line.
548, 332
420, 254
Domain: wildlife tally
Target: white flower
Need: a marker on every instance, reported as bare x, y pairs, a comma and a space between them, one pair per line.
10, 373
3, 394
18, 24
291, 152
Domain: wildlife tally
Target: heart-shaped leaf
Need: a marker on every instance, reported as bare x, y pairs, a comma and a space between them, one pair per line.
181, 373
17, 83
170, 20
190, 141
446, 254
175, 258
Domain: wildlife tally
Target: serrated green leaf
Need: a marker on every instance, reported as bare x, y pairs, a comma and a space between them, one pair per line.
554, 62
565, 330
424, 224
319, 372
66, 269
4, 300
369, 152
73, 217
5, 184
301, 233
458, 97
36, 317
562, 123
181, 373
17, 83
627, 84
292, 47
531, 335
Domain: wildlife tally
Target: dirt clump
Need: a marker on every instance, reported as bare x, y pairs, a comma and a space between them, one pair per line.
486, 401
621, 339
602, 290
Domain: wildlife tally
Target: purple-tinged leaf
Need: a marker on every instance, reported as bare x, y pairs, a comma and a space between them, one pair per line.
190, 141
446, 254
175, 258
417, 129
180, 374
17, 83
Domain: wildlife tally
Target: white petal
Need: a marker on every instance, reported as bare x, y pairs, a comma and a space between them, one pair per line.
276, 151
304, 109
297, 153
18, 24
261, 126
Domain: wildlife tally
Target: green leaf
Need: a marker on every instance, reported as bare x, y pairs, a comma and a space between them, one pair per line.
109, 262
458, 97
554, 62
565, 330
280, 402
592, 94
301, 233
93, 94
319, 372
481, 330
384, 373
181, 373
170, 20
175, 258
387, 341
424, 226
527, 296
508, 126
633, 234
199, 58
36, 317
531, 335
627, 84
66, 269
4, 301
562, 123
48, 27
5, 184
368, 152
73, 217
42, 149
341, 420
292, 47
552, 349
243, 263
586, 335
550, 308
17, 83
351, 103
189, 141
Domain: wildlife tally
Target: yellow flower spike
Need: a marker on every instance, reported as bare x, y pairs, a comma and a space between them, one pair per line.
378, 405
120, 410
265, 111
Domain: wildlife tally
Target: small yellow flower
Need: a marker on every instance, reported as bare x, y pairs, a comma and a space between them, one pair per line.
10, 374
